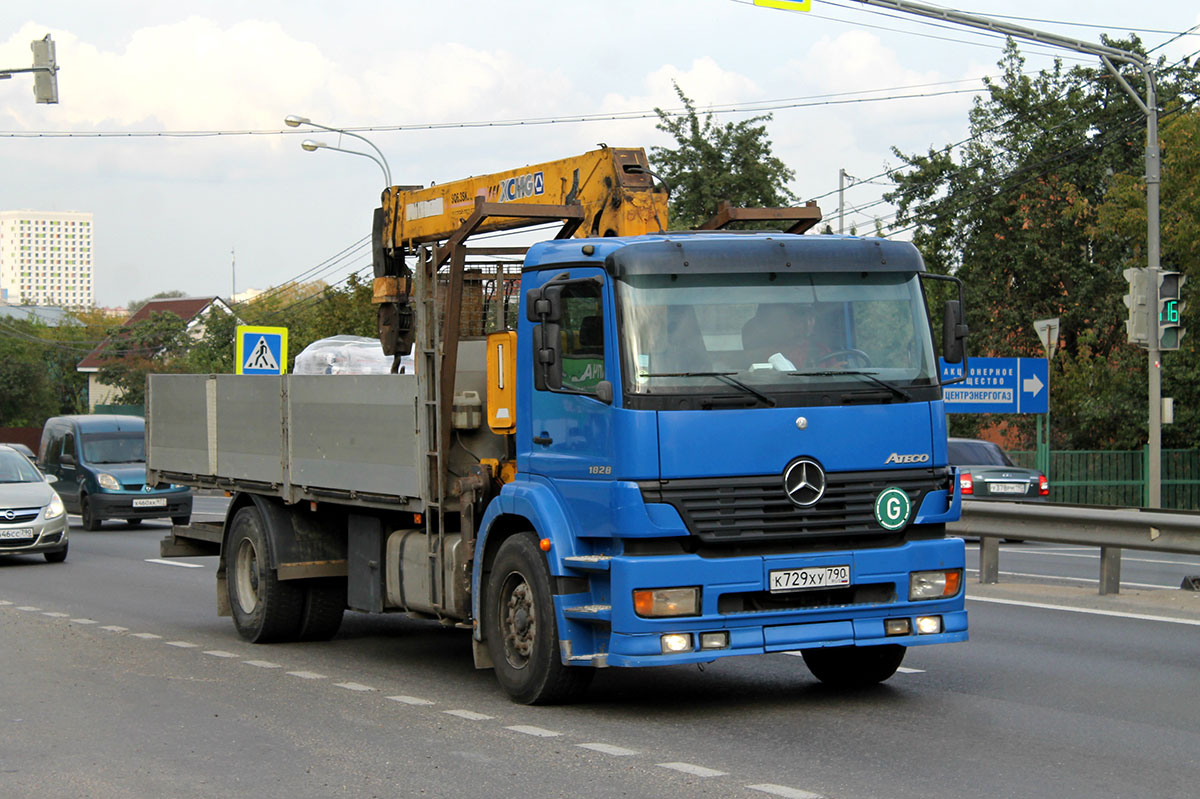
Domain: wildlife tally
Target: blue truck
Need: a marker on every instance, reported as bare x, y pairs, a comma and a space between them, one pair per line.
680, 447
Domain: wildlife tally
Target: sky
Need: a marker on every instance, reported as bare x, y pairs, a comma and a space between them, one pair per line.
205, 214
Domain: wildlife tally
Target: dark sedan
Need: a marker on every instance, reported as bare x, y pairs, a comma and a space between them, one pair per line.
986, 472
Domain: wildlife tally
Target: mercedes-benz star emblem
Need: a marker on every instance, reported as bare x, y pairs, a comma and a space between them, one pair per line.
804, 482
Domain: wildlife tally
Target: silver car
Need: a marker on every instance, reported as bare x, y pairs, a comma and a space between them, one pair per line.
32, 516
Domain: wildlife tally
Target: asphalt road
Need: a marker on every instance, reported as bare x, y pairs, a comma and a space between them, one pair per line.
119, 680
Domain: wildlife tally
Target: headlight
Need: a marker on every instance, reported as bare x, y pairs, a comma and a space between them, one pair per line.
934, 584
55, 508
658, 602
106, 480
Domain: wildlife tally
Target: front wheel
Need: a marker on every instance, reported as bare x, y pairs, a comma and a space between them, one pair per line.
854, 666
265, 608
57, 556
522, 633
87, 514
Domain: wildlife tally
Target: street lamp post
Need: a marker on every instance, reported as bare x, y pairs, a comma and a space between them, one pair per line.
293, 121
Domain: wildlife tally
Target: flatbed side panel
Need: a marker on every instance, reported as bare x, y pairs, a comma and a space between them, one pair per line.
176, 426
249, 433
354, 433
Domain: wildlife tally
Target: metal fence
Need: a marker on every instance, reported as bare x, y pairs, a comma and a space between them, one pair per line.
1118, 478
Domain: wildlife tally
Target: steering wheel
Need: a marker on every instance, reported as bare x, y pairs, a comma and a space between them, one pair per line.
859, 354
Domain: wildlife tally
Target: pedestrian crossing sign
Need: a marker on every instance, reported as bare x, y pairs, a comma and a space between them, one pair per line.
261, 350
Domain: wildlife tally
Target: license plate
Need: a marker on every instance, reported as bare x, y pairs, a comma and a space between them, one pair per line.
1008, 488
151, 502
13, 535
782, 580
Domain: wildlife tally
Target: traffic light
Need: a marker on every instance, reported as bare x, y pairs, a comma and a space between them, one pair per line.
1170, 310
45, 78
1137, 326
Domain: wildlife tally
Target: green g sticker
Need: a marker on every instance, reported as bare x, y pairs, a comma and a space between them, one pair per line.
892, 508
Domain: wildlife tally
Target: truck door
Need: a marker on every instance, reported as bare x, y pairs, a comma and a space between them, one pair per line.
571, 414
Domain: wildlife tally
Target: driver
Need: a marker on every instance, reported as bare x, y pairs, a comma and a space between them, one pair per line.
790, 331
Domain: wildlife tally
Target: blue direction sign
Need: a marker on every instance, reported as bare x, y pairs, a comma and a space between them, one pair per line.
998, 385
261, 350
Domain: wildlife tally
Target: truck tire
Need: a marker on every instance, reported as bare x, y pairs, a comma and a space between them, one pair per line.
87, 514
324, 605
522, 633
854, 666
265, 609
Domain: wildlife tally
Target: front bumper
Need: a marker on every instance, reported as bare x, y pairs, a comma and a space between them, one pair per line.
44, 536
119, 504
729, 586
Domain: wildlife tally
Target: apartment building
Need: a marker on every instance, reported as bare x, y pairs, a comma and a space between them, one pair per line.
46, 258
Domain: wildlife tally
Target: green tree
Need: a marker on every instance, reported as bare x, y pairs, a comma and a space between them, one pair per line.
154, 344
1014, 214
718, 162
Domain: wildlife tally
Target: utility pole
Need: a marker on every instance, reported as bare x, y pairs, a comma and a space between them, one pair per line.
232, 276
841, 201
1149, 107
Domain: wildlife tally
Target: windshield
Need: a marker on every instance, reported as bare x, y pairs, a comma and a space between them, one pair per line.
16, 468
114, 447
774, 332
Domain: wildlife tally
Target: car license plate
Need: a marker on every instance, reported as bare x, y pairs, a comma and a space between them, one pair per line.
782, 580
13, 535
150, 502
1008, 488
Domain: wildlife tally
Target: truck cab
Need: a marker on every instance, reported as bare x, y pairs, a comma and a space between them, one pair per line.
730, 444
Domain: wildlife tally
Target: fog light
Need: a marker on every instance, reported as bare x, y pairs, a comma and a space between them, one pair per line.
658, 602
673, 643
934, 585
897, 627
928, 625
714, 640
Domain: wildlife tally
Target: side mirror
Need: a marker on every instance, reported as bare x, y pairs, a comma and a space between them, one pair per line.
67, 459
544, 304
954, 332
50, 478
547, 365
604, 392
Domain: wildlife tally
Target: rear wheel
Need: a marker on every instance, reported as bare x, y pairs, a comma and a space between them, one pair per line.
56, 557
87, 514
522, 633
324, 605
854, 666
265, 609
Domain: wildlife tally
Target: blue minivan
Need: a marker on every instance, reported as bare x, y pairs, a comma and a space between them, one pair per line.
100, 463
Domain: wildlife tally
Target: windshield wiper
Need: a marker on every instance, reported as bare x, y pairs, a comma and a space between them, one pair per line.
899, 392
725, 377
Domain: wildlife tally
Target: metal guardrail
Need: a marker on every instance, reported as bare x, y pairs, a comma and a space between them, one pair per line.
1111, 529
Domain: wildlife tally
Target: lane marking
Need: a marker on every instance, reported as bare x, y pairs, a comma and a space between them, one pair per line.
180, 644
469, 715
29, 608
162, 562
784, 791
219, 653
1088, 580
906, 670
54, 614
693, 769
83, 621
1090, 611
608, 749
113, 628
262, 664
525, 729
410, 700
307, 675
5, 602
354, 686
147, 636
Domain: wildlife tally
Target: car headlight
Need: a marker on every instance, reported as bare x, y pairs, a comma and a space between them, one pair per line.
55, 508
106, 480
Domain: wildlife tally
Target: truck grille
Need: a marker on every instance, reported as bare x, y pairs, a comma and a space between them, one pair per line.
755, 508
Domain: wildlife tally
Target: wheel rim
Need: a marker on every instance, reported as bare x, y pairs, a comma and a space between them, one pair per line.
518, 620
245, 566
